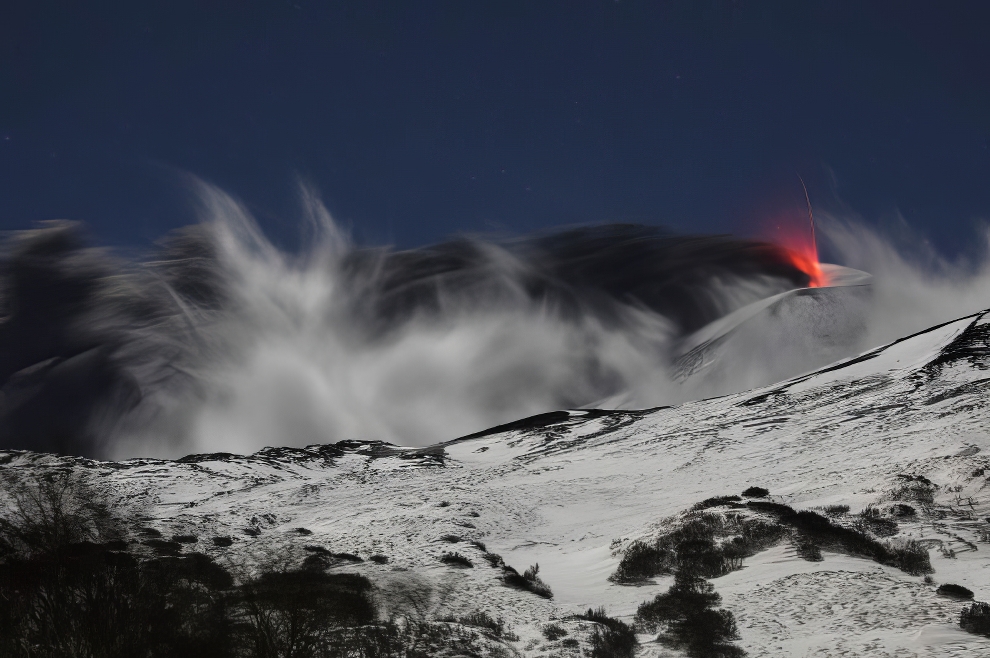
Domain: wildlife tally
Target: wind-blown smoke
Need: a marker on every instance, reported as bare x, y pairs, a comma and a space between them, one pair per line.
913, 287
221, 342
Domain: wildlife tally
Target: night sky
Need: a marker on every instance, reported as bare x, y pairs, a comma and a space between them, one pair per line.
417, 120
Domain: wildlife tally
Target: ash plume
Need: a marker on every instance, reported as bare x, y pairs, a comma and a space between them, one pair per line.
218, 341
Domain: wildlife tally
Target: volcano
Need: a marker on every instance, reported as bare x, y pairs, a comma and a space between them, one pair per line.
868, 478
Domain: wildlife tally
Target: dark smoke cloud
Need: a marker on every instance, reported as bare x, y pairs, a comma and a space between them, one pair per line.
106, 357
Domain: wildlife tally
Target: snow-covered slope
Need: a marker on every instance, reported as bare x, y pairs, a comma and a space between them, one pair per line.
776, 337
571, 490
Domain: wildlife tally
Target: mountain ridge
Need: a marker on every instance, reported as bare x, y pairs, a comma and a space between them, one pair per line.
572, 491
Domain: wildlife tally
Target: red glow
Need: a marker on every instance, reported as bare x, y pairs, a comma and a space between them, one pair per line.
793, 233
807, 261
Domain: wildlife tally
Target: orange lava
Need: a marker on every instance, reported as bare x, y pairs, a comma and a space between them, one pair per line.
806, 260
794, 235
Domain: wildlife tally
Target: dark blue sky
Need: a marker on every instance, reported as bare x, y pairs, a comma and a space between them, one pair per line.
420, 119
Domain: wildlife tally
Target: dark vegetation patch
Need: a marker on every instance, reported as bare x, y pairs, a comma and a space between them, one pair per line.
915, 488
687, 617
456, 559
529, 581
554, 632
909, 556
707, 542
903, 510
836, 510
223, 542
976, 618
451, 539
379, 559
164, 546
480, 545
303, 531
70, 587
955, 591
704, 544
807, 549
872, 519
494, 560
612, 638
756, 492
715, 543
185, 539
717, 501
482, 620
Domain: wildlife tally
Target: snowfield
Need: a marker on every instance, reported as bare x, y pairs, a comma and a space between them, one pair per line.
571, 490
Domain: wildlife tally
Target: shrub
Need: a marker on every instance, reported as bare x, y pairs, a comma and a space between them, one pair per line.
808, 550
916, 488
909, 557
836, 510
480, 545
185, 539
611, 638
223, 542
529, 581
68, 587
296, 612
379, 559
976, 618
954, 591
756, 492
872, 520
771, 508
688, 618
641, 561
554, 632
712, 542
702, 556
451, 539
481, 619
494, 559
717, 501
456, 559
537, 585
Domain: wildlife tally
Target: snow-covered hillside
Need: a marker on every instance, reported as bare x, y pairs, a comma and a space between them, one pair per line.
572, 490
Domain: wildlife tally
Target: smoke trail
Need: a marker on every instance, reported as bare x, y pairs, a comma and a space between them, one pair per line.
220, 342
913, 286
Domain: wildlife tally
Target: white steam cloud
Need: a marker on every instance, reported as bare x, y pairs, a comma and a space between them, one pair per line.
233, 345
